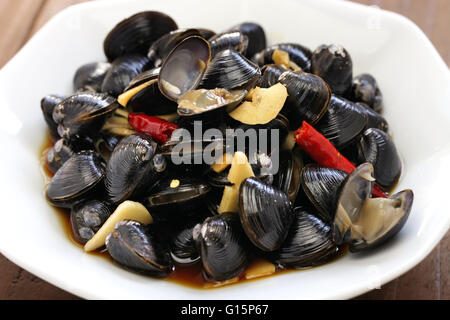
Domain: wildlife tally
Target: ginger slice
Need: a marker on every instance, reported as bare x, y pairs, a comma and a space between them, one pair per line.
259, 268
239, 171
127, 210
265, 105
127, 95
222, 163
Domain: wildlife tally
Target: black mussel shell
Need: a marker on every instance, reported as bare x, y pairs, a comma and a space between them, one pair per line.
61, 151
143, 95
161, 48
123, 70
270, 75
308, 97
230, 70
184, 67
89, 77
352, 193
86, 218
298, 54
333, 64
48, 104
233, 40
135, 247
256, 37
308, 243
342, 122
137, 33
381, 219
83, 114
321, 185
266, 214
288, 177
365, 89
376, 147
223, 247
201, 101
76, 179
176, 198
106, 143
131, 168
374, 119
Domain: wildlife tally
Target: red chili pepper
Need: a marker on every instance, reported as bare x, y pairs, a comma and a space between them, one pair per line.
159, 129
321, 150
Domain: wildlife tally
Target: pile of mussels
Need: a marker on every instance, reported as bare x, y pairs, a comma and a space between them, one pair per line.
125, 192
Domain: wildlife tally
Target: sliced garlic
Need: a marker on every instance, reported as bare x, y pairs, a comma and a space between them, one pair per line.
259, 268
127, 210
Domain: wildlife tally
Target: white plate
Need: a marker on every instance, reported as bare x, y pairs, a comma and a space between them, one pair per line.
413, 78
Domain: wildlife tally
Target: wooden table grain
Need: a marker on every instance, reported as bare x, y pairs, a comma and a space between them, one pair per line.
20, 19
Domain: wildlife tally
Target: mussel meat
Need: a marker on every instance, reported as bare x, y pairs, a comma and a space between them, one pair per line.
298, 54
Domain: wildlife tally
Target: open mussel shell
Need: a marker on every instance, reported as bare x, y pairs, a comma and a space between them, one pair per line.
131, 167
266, 214
298, 54
270, 75
137, 33
233, 40
48, 104
321, 185
342, 122
256, 37
201, 101
308, 242
176, 198
222, 245
308, 97
184, 67
230, 70
143, 95
376, 147
83, 114
86, 218
161, 48
288, 177
90, 76
76, 179
333, 64
123, 70
352, 193
61, 151
365, 89
135, 247
380, 220
374, 119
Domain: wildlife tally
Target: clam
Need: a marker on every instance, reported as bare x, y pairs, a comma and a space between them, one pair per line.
288, 177
308, 97
89, 77
334, 64
143, 95
374, 119
61, 151
255, 35
230, 70
270, 75
83, 114
123, 70
376, 147
266, 214
366, 222
76, 179
48, 104
365, 89
343, 122
86, 218
308, 242
136, 247
131, 168
298, 54
233, 40
137, 33
222, 246
321, 185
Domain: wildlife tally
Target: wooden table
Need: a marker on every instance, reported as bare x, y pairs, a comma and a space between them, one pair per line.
20, 19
